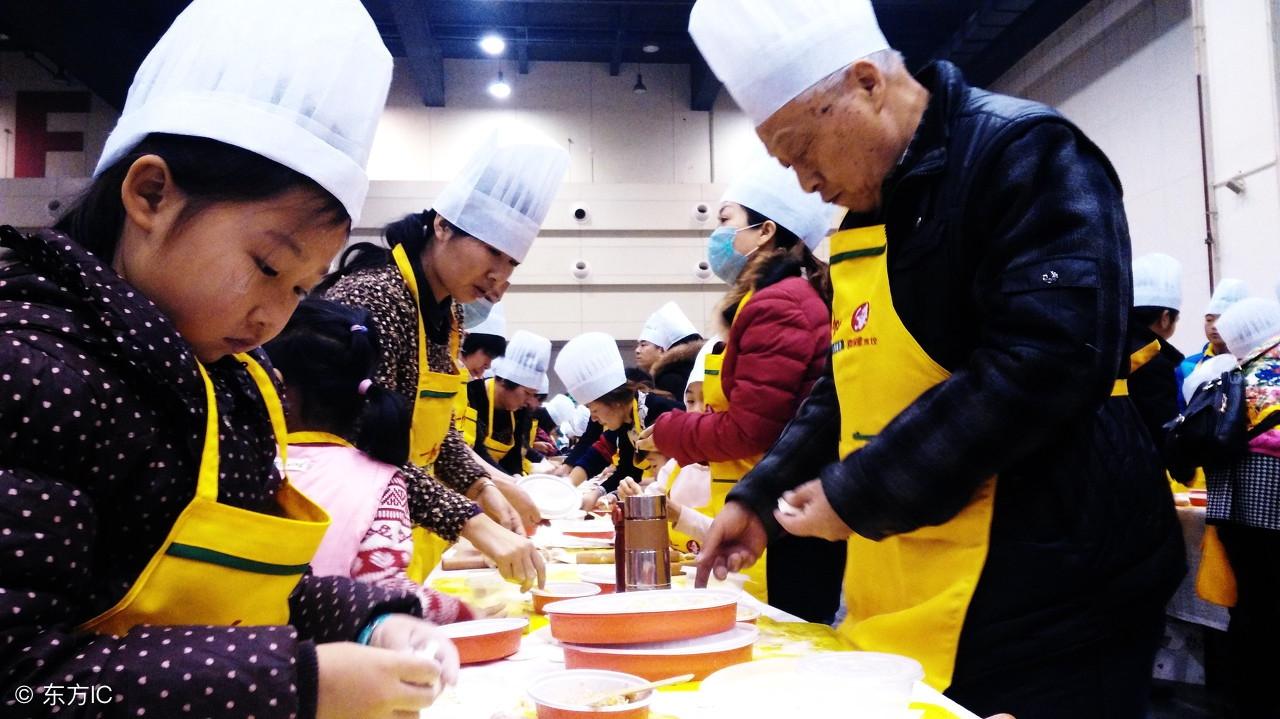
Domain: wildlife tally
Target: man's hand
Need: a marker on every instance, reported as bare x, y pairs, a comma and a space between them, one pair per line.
736, 540
805, 512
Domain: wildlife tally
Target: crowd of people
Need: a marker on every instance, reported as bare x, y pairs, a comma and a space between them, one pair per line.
229, 461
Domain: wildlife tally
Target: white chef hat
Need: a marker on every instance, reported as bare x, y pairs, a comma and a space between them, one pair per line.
591, 366
526, 360
578, 425
768, 52
544, 385
774, 191
494, 324
1157, 281
560, 408
666, 326
504, 193
699, 371
300, 82
1227, 293
1250, 326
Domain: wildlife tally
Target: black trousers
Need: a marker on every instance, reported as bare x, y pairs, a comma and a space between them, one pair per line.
1254, 633
1104, 679
805, 575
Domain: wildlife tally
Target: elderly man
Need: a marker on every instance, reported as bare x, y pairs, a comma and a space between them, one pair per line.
1007, 516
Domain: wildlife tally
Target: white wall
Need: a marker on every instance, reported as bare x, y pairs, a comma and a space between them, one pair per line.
638, 162
1125, 72
1240, 62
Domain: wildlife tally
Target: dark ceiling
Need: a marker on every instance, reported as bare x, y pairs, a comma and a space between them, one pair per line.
101, 42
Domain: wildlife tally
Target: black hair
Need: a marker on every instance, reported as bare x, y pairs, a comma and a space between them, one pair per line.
326, 351
1147, 316
508, 384
493, 345
621, 395
544, 421
785, 239
415, 231
637, 376
207, 171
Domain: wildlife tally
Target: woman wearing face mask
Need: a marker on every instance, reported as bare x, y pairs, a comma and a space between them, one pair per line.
777, 322
464, 248
149, 542
591, 369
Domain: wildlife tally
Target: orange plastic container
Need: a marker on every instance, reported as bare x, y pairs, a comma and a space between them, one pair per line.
636, 617
485, 640
700, 657
601, 575
558, 591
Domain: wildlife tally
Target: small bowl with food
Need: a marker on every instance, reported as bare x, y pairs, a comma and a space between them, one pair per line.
589, 694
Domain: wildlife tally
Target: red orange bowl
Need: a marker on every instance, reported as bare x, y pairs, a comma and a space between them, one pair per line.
557, 591
634, 617
485, 640
700, 657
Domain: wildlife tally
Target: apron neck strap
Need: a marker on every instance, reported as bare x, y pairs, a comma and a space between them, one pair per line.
317, 438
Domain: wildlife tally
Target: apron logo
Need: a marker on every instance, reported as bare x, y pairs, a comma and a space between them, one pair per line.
861, 316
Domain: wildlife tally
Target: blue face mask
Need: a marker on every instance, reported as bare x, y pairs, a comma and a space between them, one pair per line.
473, 313
724, 258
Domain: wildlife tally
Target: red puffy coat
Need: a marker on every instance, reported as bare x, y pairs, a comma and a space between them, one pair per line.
777, 349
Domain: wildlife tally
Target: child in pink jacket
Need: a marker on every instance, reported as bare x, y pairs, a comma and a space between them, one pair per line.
348, 437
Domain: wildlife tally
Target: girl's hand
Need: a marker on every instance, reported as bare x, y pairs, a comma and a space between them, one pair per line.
628, 487
407, 633
359, 682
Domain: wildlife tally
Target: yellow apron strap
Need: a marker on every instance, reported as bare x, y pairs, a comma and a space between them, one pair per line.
317, 438
1140, 358
275, 410
1137, 360
207, 479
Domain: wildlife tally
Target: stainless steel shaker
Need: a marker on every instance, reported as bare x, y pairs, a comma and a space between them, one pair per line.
646, 554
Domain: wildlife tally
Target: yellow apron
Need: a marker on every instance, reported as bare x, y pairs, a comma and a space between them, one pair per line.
460, 399
679, 540
432, 418
726, 474
223, 565
907, 594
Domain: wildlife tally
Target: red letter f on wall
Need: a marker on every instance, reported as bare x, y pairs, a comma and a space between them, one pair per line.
34, 139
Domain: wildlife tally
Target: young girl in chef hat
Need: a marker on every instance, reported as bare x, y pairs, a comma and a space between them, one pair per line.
591, 369
140, 429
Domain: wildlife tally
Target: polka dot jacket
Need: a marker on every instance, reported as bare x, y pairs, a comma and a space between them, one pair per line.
102, 417
383, 293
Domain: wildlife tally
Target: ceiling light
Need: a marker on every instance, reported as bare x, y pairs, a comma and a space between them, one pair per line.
650, 48
499, 88
493, 44
639, 89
